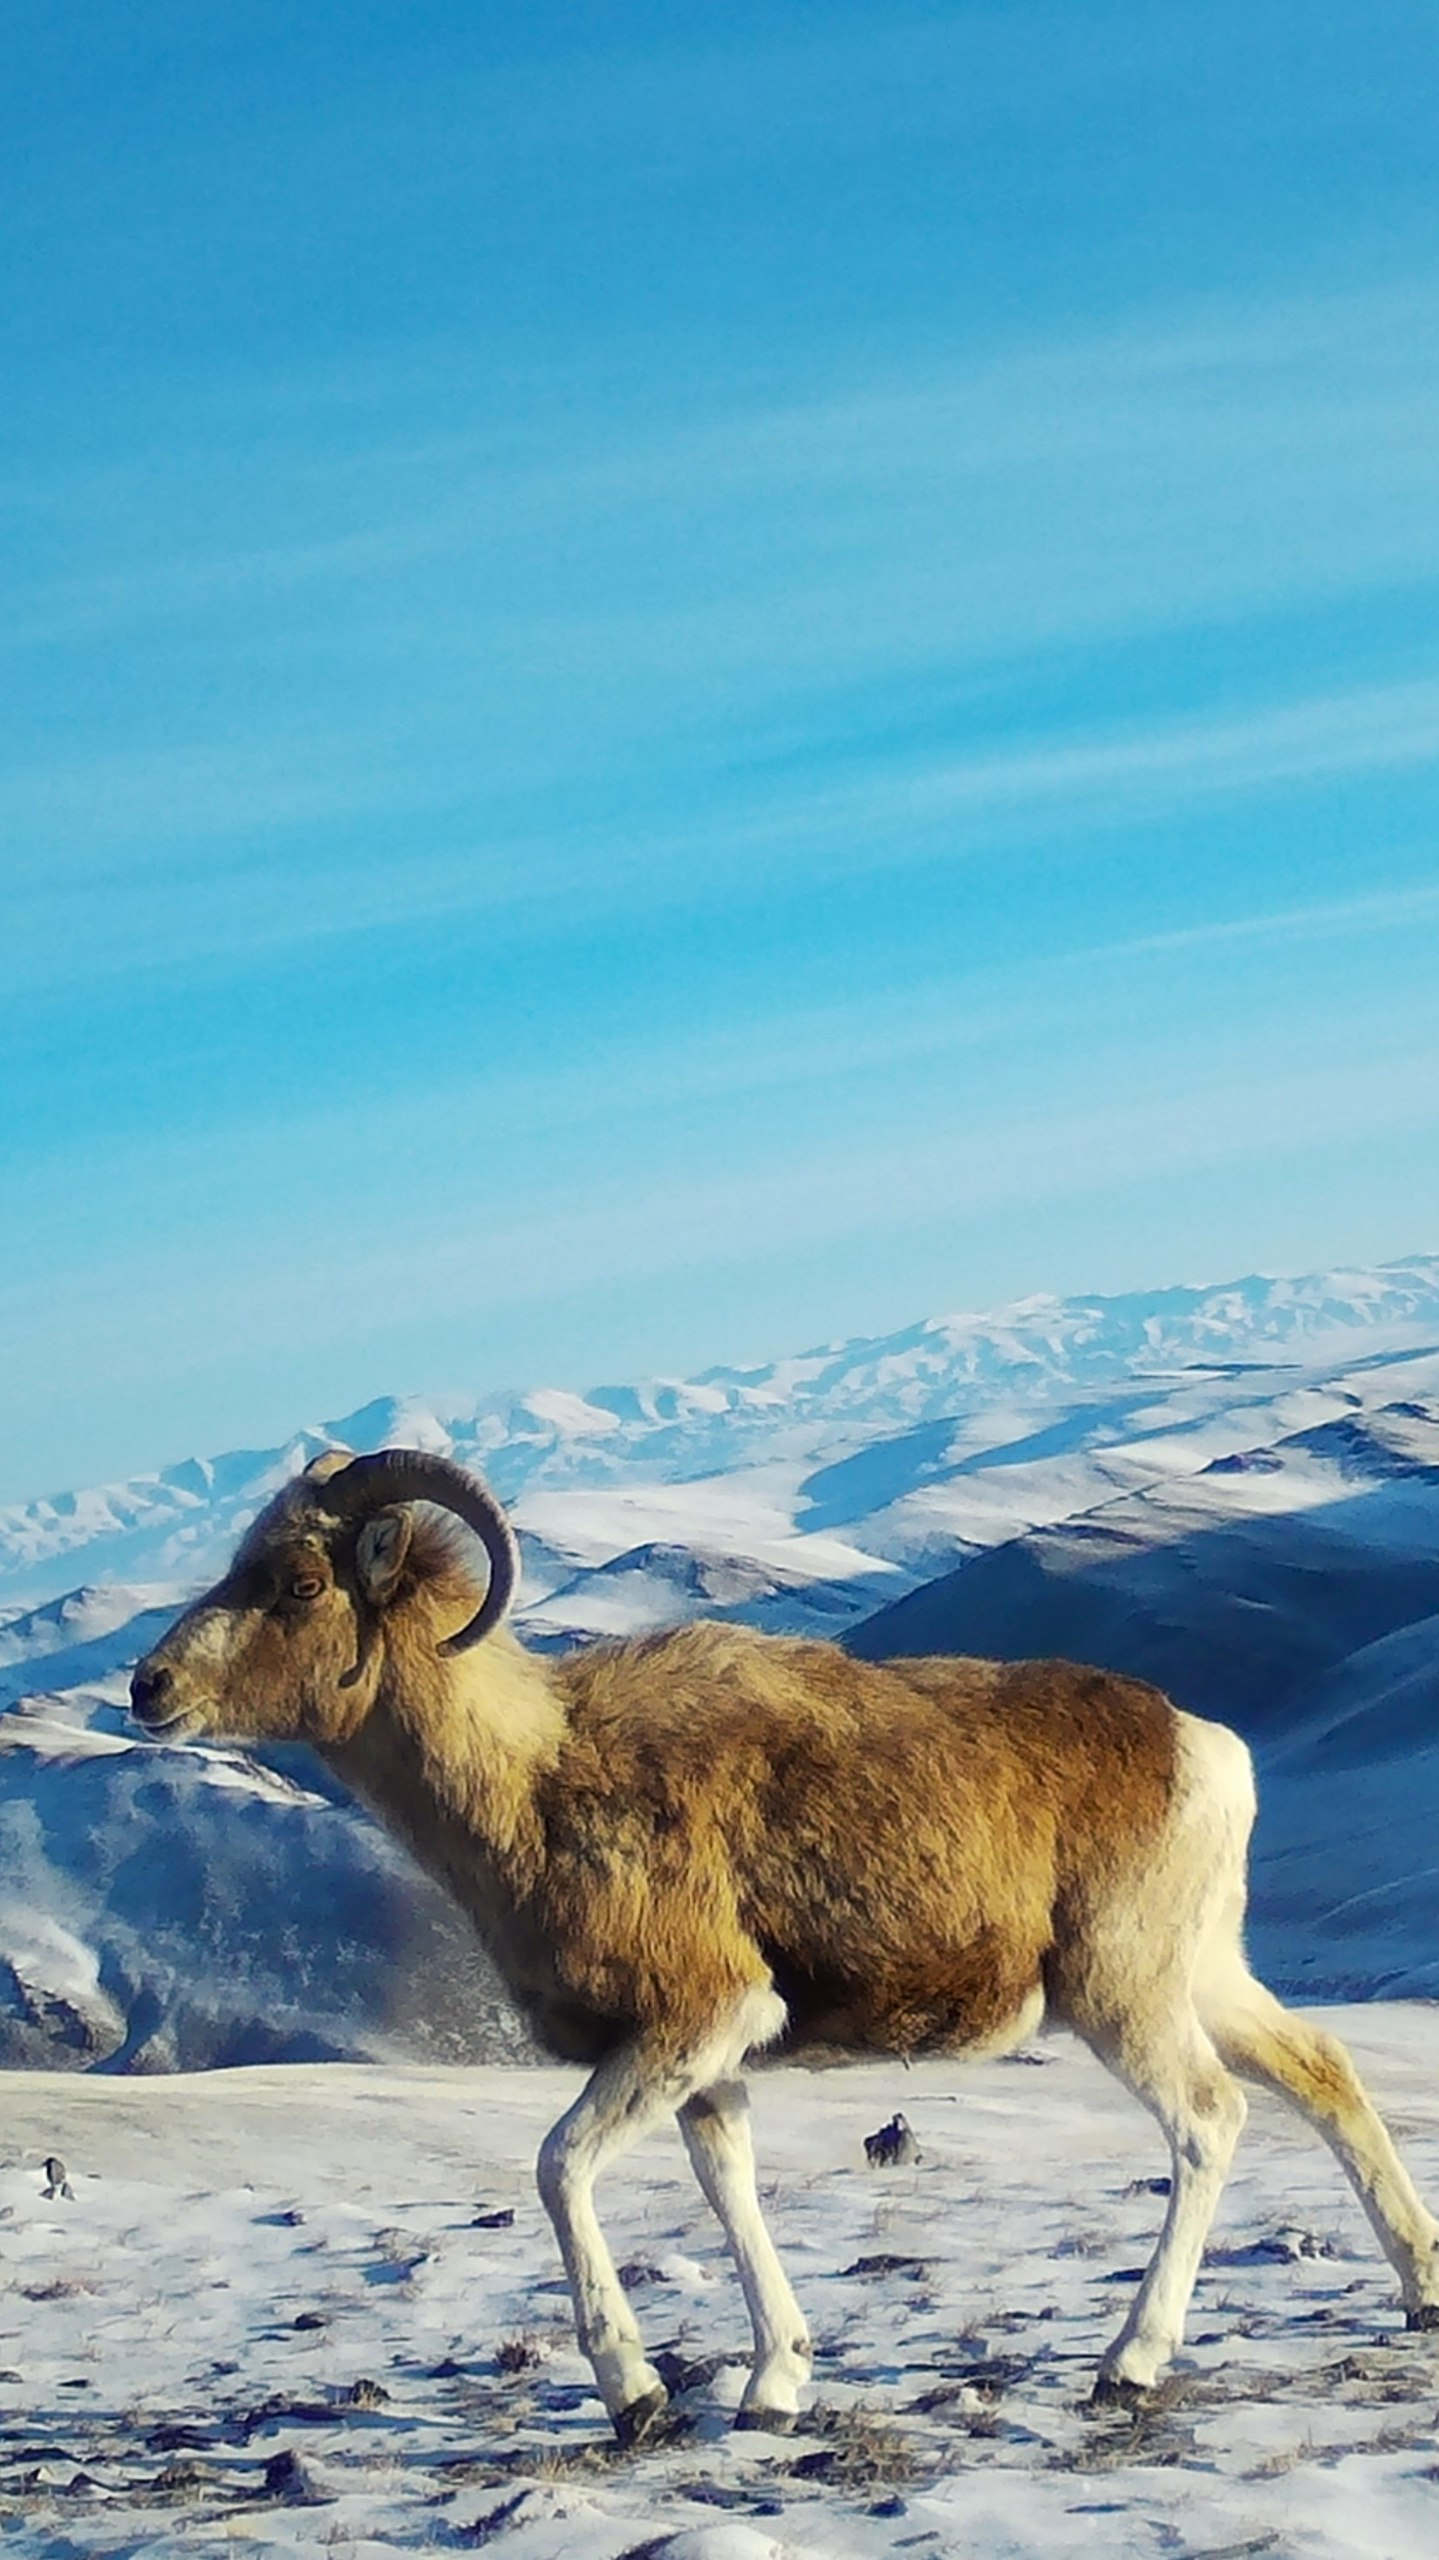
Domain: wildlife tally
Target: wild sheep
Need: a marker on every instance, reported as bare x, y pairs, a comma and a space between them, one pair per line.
688, 1846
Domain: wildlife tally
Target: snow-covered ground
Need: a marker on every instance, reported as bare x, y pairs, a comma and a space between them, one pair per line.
319, 2309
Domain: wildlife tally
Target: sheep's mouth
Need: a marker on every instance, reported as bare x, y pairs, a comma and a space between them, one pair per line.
168, 1728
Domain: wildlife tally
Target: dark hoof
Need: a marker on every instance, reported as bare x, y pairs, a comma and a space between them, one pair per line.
1425, 2315
632, 2424
765, 2422
1111, 2391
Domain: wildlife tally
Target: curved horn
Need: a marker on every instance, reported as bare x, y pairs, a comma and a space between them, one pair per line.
417, 1475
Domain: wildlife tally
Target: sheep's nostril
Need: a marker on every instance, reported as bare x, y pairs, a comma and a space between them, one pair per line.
147, 1688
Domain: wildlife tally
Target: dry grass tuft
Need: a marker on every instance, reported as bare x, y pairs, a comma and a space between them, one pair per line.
861, 2450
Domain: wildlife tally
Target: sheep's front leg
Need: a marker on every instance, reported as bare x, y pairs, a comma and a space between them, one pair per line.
715, 2125
630, 2092
614, 2110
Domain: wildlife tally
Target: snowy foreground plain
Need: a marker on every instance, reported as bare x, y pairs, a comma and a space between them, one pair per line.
287, 2311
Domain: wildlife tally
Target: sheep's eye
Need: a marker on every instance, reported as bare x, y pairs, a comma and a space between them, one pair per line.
307, 1586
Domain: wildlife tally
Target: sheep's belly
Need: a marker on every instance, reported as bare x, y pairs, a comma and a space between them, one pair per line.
970, 2002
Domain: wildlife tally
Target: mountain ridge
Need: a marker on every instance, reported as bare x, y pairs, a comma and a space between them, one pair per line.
168, 1525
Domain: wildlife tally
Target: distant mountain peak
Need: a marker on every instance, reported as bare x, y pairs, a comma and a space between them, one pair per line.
172, 1526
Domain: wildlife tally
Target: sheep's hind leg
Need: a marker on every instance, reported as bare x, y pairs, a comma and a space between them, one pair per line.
1171, 2065
1313, 2073
716, 2128
630, 2092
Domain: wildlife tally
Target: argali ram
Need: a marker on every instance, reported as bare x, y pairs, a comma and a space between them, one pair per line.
685, 1847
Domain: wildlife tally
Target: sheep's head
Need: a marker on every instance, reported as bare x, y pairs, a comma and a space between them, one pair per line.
289, 1645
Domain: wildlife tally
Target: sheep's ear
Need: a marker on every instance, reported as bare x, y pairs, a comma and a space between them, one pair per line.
380, 1552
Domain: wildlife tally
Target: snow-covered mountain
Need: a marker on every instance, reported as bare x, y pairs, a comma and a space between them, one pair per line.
161, 1910
785, 1417
1234, 1491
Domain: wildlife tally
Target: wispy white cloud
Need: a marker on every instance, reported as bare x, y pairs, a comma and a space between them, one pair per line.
1197, 461
230, 789
1372, 729
148, 828
558, 669
89, 814
411, 1262
1384, 911
748, 660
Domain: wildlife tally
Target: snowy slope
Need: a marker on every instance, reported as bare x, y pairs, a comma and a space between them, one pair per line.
165, 1909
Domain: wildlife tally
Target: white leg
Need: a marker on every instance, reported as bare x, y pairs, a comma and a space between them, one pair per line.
1181, 2080
628, 2094
716, 2128
1314, 2073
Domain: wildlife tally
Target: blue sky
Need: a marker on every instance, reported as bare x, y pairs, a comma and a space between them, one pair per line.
678, 681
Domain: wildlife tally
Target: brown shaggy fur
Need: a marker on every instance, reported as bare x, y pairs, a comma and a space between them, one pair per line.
899, 1849
892, 1848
